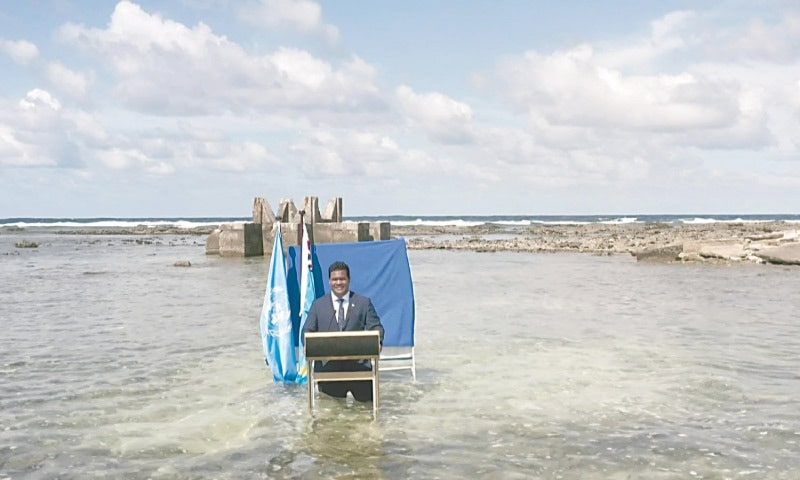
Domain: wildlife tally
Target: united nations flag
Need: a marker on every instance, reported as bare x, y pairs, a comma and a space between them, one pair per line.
276, 324
308, 293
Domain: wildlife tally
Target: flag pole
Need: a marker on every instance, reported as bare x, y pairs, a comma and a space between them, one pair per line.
300, 228
307, 293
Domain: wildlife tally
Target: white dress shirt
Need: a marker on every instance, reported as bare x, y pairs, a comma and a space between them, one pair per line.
345, 304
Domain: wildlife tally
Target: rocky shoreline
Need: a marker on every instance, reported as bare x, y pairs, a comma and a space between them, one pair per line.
137, 230
765, 242
745, 242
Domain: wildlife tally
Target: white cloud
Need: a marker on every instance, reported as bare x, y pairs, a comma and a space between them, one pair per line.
21, 51
362, 154
572, 88
120, 159
670, 33
627, 113
164, 67
33, 133
38, 98
88, 128
761, 41
69, 82
688, 36
510, 156
691, 101
301, 15
205, 4
38, 132
560, 151
163, 153
12, 151
442, 118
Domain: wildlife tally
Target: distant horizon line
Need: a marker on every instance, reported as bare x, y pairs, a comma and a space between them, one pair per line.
406, 215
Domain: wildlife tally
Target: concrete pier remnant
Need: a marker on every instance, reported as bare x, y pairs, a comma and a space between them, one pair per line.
240, 239
247, 239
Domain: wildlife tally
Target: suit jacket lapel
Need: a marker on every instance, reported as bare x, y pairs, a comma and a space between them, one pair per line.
334, 325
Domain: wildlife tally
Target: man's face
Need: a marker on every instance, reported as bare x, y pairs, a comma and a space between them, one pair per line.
340, 282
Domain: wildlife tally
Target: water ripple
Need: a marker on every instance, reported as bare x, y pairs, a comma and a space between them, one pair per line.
116, 364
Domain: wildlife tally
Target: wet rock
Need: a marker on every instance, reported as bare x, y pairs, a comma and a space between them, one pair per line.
182, 263
784, 255
764, 236
669, 253
26, 244
723, 250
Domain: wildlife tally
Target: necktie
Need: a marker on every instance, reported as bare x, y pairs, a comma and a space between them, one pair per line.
340, 314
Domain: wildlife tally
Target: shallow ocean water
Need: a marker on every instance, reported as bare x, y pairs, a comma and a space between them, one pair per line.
116, 364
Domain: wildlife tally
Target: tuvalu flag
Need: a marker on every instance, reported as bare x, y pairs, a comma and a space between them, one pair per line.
276, 324
308, 293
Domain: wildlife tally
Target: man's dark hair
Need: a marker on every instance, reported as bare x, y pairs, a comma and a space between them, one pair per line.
338, 265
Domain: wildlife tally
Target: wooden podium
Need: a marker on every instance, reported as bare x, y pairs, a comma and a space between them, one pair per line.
357, 345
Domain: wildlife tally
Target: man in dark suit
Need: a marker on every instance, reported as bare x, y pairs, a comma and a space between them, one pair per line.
343, 310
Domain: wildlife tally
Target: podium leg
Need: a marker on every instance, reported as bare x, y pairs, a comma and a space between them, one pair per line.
311, 387
375, 388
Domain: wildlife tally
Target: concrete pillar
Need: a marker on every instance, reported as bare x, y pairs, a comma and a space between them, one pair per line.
262, 212
253, 240
363, 232
311, 207
333, 210
287, 212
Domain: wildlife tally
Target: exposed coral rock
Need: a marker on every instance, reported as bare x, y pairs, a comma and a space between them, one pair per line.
26, 244
785, 255
656, 242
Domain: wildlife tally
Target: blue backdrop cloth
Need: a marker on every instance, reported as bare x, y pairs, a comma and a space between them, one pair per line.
378, 269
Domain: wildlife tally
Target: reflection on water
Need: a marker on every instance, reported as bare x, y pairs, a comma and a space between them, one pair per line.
114, 363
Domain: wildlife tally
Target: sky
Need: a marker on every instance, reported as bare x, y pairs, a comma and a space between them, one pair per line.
191, 108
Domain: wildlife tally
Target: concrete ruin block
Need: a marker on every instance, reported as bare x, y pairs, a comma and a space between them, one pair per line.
333, 211
268, 237
231, 240
253, 243
240, 240
292, 234
288, 234
262, 212
364, 233
287, 211
351, 232
336, 232
380, 230
212, 243
311, 207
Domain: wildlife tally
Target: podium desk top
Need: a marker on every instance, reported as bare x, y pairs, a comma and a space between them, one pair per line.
343, 345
